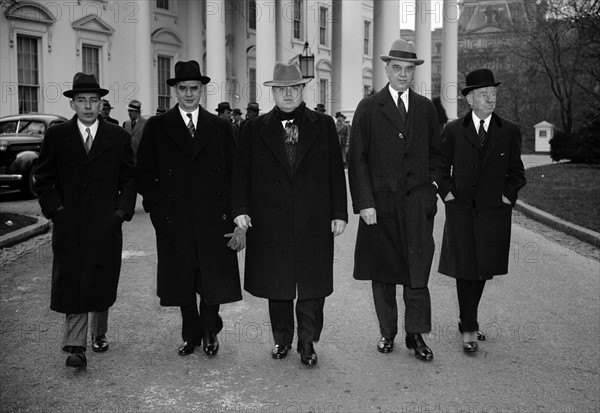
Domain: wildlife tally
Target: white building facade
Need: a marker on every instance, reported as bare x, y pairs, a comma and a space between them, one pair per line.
132, 48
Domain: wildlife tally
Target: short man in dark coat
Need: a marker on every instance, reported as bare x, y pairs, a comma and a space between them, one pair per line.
394, 161
480, 183
86, 184
289, 192
184, 169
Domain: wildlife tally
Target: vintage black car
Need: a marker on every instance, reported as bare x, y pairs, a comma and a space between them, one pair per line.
20, 141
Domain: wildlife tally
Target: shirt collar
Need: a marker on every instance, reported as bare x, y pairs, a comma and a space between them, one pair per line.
194, 113
82, 128
404, 96
486, 121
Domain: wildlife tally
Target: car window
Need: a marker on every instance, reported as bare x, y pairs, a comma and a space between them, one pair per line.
8, 127
32, 127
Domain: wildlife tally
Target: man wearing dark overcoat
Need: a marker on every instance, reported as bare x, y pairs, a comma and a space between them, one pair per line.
289, 192
394, 162
86, 184
184, 170
480, 183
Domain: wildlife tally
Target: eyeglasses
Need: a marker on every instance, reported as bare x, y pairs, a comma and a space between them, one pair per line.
83, 101
398, 69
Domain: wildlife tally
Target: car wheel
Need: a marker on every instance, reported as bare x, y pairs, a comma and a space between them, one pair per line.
28, 184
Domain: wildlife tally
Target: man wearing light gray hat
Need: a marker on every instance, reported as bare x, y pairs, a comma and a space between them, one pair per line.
394, 161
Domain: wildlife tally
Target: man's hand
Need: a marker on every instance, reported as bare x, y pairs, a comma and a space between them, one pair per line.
243, 221
337, 227
449, 197
238, 239
369, 215
506, 200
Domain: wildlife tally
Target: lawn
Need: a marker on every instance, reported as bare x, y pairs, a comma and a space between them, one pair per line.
568, 191
11, 222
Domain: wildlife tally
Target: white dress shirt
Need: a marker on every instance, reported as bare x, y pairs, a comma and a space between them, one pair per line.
93, 130
186, 119
404, 96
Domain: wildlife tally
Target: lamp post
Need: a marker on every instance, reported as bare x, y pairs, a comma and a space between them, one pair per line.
307, 62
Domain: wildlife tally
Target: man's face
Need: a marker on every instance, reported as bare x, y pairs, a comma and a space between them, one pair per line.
400, 74
482, 101
105, 112
288, 98
226, 114
251, 114
189, 93
133, 114
87, 107
237, 117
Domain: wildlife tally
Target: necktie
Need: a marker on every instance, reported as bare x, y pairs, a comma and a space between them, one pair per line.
190, 125
401, 107
132, 124
88, 140
481, 133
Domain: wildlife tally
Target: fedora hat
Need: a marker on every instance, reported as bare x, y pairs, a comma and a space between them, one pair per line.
339, 115
236, 111
286, 75
320, 108
83, 83
187, 71
106, 104
479, 78
253, 106
135, 105
160, 109
402, 50
223, 106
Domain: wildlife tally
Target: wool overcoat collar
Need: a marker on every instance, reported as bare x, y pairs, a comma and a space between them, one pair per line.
74, 141
179, 133
272, 133
390, 110
493, 134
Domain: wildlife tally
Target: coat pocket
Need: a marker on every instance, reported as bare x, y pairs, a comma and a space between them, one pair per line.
385, 194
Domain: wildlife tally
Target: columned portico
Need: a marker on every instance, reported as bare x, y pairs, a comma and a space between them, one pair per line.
266, 50
386, 29
422, 80
449, 85
142, 64
215, 54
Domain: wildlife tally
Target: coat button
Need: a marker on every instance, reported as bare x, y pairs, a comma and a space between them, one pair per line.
168, 196
224, 216
170, 172
279, 206
168, 219
222, 193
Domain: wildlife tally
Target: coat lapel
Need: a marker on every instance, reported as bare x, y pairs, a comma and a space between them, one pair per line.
469, 130
178, 131
271, 133
204, 131
493, 136
102, 142
390, 110
308, 134
414, 111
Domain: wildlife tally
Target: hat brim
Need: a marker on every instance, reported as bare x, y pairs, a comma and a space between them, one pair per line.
203, 79
101, 92
466, 90
283, 83
404, 59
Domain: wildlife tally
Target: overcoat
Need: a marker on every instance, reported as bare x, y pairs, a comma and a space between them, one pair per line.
86, 235
185, 184
392, 165
290, 244
135, 132
476, 240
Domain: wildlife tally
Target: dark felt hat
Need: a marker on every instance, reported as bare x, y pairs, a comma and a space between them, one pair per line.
236, 111
402, 50
135, 105
253, 106
286, 75
160, 109
223, 106
339, 115
320, 108
106, 104
83, 83
187, 71
479, 78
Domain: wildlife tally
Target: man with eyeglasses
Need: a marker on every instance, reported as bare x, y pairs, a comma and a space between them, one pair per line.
289, 194
394, 162
86, 184
184, 173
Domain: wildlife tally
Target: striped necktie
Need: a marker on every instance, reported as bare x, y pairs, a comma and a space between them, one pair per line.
88, 140
481, 134
190, 125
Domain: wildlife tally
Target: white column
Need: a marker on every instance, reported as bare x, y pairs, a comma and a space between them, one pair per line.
347, 46
195, 49
386, 29
240, 62
215, 54
266, 51
143, 64
449, 80
422, 80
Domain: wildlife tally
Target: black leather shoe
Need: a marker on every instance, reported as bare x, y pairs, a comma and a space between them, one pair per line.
470, 347
385, 345
480, 335
415, 342
99, 344
77, 358
280, 351
187, 348
307, 353
210, 343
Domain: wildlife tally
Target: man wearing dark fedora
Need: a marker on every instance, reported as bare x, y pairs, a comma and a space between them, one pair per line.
224, 111
343, 131
320, 108
289, 193
480, 182
105, 112
184, 170
394, 161
135, 125
86, 184
252, 111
